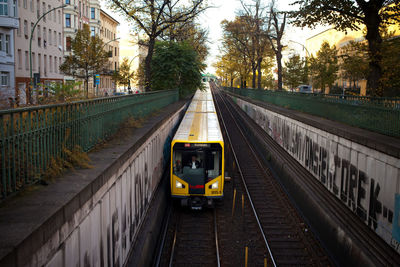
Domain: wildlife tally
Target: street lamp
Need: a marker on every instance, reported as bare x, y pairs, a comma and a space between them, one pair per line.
30, 47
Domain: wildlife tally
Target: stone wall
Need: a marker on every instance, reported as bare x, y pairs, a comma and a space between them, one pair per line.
102, 232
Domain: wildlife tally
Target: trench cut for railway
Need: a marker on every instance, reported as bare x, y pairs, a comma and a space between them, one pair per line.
344, 180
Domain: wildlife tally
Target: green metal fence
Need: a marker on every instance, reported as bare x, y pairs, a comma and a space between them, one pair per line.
31, 137
380, 115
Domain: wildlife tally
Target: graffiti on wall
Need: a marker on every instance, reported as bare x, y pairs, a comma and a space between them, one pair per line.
365, 180
116, 216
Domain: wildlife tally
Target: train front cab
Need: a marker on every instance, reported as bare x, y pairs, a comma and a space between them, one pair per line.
197, 184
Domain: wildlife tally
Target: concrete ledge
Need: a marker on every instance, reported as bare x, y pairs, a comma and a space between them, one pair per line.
31, 219
383, 143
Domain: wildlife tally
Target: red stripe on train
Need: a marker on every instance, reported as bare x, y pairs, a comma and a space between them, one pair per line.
196, 186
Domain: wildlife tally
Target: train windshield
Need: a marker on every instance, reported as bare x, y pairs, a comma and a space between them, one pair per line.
197, 163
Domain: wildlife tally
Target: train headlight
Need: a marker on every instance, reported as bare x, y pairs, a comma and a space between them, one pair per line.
214, 185
179, 184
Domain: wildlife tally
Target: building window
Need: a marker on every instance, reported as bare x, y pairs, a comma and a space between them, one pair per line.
26, 60
115, 52
19, 59
59, 17
55, 38
49, 37
4, 7
39, 34
92, 12
1, 41
45, 65
50, 64
7, 44
48, 8
59, 38
68, 43
31, 5
44, 11
92, 31
38, 8
33, 61
68, 20
55, 65
25, 4
44, 37
19, 28
5, 78
39, 62
33, 33
68, 2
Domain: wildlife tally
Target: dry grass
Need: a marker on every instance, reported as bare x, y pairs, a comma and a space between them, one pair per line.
75, 158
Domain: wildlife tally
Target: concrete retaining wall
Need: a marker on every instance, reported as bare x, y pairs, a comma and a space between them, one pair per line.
365, 180
103, 230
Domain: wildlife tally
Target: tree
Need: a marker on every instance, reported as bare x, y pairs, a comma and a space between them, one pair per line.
58, 92
390, 65
351, 14
192, 33
123, 75
237, 44
226, 68
324, 66
276, 29
295, 72
353, 63
87, 57
153, 17
176, 66
255, 20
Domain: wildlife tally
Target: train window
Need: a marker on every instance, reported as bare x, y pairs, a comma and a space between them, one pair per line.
213, 164
195, 161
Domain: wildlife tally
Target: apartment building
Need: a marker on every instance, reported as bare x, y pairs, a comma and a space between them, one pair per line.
108, 33
76, 14
47, 44
340, 39
8, 22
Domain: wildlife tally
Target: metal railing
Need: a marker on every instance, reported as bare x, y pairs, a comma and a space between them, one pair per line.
30, 138
381, 115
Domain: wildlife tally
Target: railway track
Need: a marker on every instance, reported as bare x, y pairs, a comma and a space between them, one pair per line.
284, 232
193, 241
376, 251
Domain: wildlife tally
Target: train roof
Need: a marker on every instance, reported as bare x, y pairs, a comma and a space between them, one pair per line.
200, 123
201, 106
199, 127
203, 95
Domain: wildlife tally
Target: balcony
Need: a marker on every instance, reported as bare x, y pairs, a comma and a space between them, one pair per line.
9, 22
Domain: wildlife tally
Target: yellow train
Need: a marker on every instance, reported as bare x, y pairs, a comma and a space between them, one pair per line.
197, 154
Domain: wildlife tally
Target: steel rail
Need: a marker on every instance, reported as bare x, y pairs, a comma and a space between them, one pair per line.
171, 259
242, 177
164, 235
216, 237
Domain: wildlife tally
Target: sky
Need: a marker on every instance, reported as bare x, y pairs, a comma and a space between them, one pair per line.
227, 9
